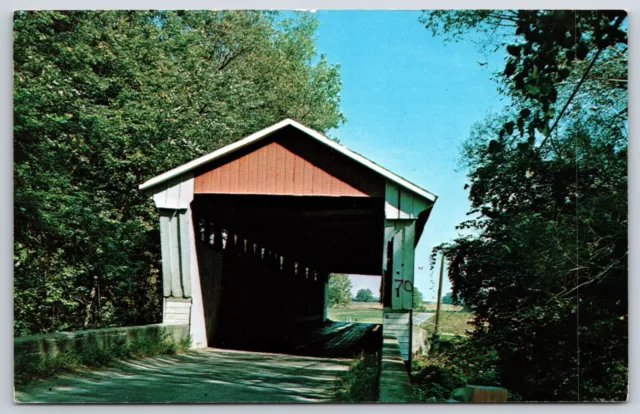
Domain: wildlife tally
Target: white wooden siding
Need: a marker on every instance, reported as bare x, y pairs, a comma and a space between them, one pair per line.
177, 311
176, 193
402, 204
399, 324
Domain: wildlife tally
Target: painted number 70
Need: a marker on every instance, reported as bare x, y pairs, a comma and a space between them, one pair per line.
408, 286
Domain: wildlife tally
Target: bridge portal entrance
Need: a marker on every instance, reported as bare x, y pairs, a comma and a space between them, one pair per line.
251, 232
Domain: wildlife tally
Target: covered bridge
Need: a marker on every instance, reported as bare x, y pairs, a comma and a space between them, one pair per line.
251, 232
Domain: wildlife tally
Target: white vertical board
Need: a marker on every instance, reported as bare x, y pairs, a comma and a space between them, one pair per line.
408, 247
399, 324
406, 205
397, 272
402, 204
174, 255
165, 250
391, 205
403, 262
197, 323
184, 223
176, 193
389, 231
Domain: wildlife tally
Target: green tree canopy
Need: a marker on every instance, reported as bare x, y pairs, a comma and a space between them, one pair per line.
448, 299
364, 295
417, 298
543, 264
339, 290
104, 100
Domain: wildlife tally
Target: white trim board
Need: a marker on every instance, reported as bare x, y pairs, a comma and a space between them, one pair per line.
257, 136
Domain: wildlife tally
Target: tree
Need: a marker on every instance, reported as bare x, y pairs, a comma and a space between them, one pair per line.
417, 298
543, 265
104, 100
364, 295
448, 299
339, 291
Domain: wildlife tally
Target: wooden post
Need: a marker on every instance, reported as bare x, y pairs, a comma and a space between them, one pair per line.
435, 331
410, 359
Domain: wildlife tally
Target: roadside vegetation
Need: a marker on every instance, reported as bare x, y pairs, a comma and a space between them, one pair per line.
29, 369
542, 261
105, 100
456, 363
451, 323
360, 383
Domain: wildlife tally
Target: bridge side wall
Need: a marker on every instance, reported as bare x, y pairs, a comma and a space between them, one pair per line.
30, 349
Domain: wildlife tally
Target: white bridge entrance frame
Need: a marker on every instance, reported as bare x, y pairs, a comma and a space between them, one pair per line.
173, 193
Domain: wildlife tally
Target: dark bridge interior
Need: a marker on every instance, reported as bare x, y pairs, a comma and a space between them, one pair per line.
264, 263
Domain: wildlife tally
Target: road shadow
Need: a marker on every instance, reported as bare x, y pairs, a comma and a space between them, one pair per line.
205, 376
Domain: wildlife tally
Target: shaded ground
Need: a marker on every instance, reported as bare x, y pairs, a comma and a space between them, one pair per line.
327, 339
204, 376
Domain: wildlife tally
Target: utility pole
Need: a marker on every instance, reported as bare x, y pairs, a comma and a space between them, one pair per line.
436, 338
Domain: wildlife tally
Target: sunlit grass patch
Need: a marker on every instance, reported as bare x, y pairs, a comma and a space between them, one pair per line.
358, 314
454, 323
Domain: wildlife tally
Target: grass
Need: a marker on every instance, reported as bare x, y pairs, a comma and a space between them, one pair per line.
368, 305
360, 383
358, 313
431, 307
29, 369
451, 322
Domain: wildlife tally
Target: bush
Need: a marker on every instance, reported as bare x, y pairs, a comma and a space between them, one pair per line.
456, 364
360, 383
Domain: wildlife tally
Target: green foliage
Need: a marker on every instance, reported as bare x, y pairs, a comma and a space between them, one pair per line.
94, 354
364, 295
339, 291
551, 56
448, 299
360, 383
543, 263
417, 298
104, 100
455, 364
450, 322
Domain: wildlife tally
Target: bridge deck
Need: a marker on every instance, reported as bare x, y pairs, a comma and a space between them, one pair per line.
331, 339
206, 376
223, 375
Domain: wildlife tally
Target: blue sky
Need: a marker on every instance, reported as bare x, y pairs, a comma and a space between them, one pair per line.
410, 102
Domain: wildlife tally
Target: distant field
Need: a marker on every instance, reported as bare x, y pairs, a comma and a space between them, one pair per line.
357, 313
450, 323
452, 320
431, 306
370, 305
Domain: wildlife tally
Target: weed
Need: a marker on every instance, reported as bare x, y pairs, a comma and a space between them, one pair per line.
360, 383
